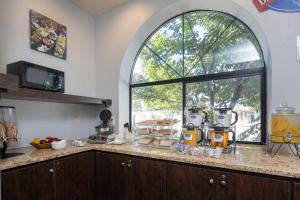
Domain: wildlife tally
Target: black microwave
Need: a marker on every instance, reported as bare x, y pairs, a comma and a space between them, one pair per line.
37, 77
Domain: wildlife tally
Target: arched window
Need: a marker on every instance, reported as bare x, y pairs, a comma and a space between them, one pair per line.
201, 56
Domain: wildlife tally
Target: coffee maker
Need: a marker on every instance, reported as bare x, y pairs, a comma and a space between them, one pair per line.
193, 130
220, 130
105, 130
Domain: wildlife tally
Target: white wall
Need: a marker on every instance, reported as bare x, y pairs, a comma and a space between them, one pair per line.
38, 119
120, 33
43, 119
15, 45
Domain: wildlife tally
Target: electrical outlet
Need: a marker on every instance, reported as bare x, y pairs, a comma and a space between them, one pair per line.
76, 119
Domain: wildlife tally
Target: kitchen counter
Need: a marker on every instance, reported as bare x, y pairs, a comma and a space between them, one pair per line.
249, 158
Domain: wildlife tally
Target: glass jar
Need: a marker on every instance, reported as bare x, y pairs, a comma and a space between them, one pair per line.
285, 125
8, 123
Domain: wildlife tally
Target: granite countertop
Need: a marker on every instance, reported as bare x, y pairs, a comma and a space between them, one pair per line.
249, 158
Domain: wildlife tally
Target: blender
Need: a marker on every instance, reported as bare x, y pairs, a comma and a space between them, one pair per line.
220, 128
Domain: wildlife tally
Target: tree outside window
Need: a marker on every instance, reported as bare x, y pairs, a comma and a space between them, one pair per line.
201, 56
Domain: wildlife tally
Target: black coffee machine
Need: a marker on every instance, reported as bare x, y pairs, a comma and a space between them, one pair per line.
105, 130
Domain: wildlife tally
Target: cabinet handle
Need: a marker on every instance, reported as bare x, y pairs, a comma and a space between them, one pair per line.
123, 164
211, 181
223, 176
57, 163
223, 183
51, 170
129, 163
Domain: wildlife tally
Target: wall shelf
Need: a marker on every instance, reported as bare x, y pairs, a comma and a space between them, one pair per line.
10, 90
9, 82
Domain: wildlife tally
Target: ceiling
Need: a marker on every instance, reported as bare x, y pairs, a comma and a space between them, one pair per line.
97, 7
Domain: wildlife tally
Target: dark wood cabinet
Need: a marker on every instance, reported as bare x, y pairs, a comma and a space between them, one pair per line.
236, 186
110, 176
146, 179
29, 183
185, 182
125, 177
296, 191
72, 177
66, 178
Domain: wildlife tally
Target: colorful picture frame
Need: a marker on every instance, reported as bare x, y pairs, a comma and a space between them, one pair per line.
47, 35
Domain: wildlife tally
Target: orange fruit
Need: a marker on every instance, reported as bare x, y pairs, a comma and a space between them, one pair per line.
36, 141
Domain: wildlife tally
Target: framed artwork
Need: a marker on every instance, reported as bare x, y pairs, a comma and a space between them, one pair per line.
47, 36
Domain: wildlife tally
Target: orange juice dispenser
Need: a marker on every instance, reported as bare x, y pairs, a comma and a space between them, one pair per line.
285, 125
285, 129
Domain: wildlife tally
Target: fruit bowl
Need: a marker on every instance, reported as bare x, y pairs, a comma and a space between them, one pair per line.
42, 146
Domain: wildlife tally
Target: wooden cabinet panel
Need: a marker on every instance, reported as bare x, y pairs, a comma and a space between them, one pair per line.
29, 183
296, 191
146, 179
72, 177
184, 182
239, 186
110, 174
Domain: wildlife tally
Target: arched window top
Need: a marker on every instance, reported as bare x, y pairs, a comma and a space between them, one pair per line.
197, 43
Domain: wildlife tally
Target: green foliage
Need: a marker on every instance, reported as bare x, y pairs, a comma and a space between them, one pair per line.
161, 97
198, 43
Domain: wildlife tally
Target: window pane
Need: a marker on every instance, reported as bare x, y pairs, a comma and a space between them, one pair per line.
161, 57
201, 30
241, 94
236, 49
149, 68
197, 43
167, 43
157, 102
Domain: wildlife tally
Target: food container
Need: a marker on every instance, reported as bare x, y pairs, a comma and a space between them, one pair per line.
285, 125
155, 133
78, 143
8, 123
59, 145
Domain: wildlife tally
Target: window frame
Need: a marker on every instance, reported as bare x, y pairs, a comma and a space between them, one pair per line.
259, 71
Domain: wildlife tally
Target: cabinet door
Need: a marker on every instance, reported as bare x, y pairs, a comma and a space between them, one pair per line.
29, 183
110, 176
192, 183
72, 177
146, 179
296, 193
239, 186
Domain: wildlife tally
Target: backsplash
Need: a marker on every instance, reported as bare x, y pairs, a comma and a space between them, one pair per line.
43, 119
